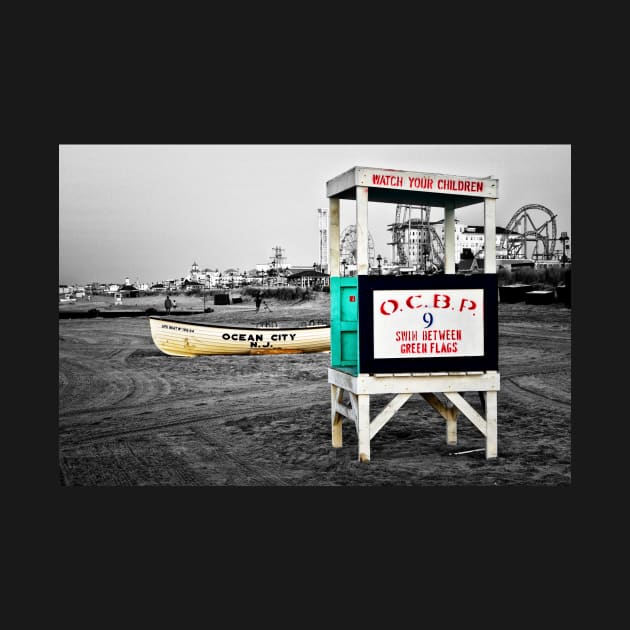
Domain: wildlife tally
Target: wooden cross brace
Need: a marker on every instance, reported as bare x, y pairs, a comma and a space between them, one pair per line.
359, 412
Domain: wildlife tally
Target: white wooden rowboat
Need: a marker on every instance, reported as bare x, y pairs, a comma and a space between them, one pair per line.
191, 339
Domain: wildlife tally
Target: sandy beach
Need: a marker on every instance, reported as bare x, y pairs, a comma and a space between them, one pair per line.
131, 416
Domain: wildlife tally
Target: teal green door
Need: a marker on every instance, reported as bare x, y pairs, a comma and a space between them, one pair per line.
344, 320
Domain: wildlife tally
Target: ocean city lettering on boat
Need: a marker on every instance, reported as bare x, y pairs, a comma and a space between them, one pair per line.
257, 337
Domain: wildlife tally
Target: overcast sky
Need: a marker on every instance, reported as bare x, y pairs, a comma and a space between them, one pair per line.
147, 212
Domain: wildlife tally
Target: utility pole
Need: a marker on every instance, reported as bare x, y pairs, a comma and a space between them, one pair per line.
323, 238
564, 237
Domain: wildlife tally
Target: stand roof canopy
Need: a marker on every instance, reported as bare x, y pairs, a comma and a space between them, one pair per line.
411, 187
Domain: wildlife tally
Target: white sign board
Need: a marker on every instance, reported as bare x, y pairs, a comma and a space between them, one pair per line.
428, 323
415, 182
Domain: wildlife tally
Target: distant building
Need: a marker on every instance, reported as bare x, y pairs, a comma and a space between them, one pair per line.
472, 237
308, 278
195, 273
128, 291
192, 286
232, 278
209, 277
416, 238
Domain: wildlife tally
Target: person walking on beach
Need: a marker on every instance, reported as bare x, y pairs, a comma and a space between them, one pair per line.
168, 304
174, 303
258, 301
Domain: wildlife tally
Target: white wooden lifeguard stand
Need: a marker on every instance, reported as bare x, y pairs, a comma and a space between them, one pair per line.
350, 353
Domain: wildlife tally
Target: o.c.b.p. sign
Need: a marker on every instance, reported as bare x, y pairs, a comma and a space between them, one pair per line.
427, 323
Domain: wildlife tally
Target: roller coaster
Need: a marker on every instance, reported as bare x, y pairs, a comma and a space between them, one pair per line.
531, 233
415, 241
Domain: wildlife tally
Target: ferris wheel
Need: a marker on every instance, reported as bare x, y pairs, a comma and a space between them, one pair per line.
535, 224
348, 246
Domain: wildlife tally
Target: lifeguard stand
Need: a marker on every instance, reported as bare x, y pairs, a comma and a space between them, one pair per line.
421, 334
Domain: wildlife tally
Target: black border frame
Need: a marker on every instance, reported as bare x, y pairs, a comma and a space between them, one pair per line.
488, 361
